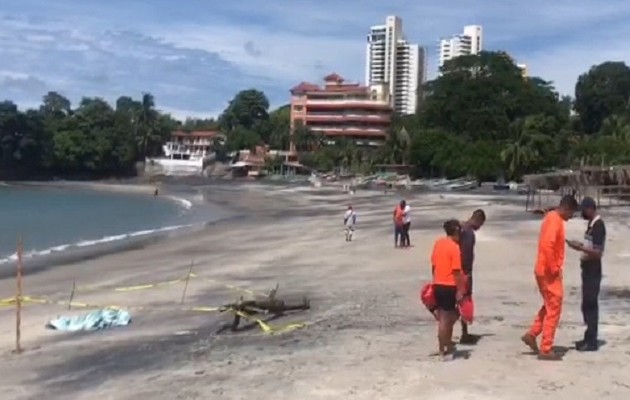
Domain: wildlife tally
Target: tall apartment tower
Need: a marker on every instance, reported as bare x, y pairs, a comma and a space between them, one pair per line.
467, 43
396, 63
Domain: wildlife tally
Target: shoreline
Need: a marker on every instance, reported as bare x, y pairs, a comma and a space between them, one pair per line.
36, 260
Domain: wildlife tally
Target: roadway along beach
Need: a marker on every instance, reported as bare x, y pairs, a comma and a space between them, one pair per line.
368, 336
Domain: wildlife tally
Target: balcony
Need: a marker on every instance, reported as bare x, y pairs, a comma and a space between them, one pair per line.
368, 120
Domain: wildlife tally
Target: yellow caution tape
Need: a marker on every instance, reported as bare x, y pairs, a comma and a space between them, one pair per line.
268, 328
228, 286
166, 283
84, 289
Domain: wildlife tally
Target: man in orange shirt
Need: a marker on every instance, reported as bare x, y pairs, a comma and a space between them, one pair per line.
448, 284
548, 272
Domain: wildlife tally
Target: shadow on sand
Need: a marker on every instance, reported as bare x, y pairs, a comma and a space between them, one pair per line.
473, 340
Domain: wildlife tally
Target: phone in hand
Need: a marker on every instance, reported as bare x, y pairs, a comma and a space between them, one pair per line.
574, 243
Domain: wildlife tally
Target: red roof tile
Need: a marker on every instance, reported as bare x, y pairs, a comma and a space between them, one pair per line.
304, 87
334, 77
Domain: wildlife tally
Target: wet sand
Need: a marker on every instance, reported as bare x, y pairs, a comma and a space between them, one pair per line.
367, 336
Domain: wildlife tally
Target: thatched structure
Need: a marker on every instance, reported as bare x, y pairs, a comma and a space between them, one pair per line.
611, 182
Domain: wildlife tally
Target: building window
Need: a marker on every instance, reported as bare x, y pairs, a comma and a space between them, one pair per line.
298, 108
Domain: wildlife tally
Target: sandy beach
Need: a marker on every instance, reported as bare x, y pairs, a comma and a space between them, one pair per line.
367, 337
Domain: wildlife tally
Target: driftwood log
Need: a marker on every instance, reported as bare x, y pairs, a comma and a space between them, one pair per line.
266, 305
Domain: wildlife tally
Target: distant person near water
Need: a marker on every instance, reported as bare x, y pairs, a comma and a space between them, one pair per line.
448, 284
467, 241
399, 211
591, 265
349, 222
548, 272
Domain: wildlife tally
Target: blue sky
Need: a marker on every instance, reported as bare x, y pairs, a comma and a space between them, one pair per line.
194, 55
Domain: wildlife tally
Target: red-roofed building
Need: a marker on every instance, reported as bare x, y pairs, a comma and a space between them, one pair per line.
342, 109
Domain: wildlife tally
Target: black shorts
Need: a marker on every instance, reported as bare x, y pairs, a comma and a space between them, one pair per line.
445, 297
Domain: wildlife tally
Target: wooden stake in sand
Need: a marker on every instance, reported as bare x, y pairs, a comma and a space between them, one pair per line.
192, 263
18, 299
74, 286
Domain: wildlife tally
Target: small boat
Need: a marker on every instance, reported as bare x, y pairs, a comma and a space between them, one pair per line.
462, 185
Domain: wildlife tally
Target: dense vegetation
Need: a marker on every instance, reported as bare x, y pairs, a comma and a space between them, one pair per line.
480, 117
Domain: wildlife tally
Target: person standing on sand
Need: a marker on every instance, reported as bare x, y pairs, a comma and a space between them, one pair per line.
349, 221
406, 241
448, 284
548, 272
398, 224
467, 247
591, 265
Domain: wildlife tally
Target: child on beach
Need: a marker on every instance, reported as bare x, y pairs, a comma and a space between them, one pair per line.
349, 221
448, 284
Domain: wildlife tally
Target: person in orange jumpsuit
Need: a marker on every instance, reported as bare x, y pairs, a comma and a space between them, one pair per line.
548, 272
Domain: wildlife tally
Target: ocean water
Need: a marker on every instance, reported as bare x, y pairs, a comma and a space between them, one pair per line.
53, 220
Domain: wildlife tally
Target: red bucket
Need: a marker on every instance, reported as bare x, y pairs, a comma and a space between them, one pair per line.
467, 309
427, 297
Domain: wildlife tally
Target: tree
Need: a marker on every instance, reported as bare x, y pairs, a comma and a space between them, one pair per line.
246, 110
525, 150
245, 121
194, 124
306, 139
280, 127
479, 118
145, 120
397, 146
479, 96
601, 92
55, 105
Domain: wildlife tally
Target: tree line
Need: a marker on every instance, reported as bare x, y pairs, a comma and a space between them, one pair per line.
480, 117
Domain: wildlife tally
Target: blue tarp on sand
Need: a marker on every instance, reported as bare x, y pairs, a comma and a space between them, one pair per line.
96, 320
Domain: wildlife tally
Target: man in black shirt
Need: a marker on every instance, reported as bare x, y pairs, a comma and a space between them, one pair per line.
467, 248
591, 264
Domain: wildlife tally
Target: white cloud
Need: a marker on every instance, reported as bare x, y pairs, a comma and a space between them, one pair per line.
194, 58
304, 40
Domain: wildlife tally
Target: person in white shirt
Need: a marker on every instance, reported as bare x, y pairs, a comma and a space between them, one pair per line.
406, 242
349, 221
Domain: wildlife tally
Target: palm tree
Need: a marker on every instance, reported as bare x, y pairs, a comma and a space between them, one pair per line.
398, 146
618, 127
522, 150
146, 124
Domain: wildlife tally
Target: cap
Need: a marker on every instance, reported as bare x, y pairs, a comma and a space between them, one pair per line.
588, 203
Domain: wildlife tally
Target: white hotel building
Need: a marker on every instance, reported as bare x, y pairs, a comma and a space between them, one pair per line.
467, 43
392, 61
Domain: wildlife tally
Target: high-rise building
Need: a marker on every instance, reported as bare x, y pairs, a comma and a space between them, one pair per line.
467, 43
396, 63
